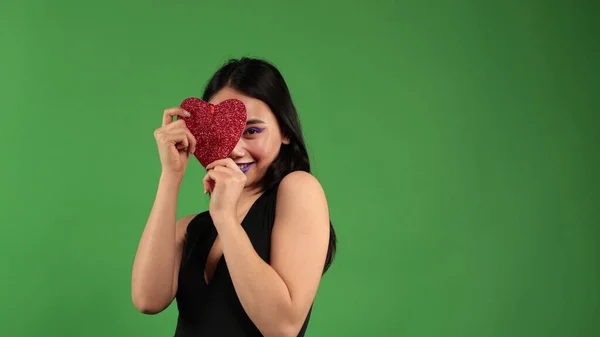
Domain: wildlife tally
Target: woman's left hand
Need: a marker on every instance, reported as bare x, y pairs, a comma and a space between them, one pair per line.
225, 182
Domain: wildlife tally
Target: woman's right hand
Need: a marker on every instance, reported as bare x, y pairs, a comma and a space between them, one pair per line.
175, 142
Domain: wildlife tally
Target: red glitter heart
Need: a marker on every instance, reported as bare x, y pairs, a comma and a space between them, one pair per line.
217, 128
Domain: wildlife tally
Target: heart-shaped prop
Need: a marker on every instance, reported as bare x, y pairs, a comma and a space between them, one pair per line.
217, 128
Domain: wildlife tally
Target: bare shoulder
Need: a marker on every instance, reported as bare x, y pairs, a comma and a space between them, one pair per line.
300, 196
300, 183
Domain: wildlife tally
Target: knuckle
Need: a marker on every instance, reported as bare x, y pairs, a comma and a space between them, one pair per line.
161, 137
180, 124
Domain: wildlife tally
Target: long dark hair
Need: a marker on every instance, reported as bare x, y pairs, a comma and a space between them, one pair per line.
261, 80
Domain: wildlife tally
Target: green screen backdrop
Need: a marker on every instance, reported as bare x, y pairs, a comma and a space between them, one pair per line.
457, 142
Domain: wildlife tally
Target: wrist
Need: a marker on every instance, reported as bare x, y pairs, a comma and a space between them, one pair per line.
171, 177
225, 221
169, 182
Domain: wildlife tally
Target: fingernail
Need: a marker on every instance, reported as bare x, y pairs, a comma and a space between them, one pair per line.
187, 114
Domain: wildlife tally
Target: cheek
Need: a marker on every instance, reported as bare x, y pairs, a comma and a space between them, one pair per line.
257, 149
263, 149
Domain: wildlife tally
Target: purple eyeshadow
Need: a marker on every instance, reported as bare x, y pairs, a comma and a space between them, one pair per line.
254, 129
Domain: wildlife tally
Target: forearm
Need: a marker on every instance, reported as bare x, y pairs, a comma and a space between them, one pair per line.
152, 276
262, 292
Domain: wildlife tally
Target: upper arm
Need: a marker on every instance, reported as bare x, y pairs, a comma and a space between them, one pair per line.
300, 238
180, 232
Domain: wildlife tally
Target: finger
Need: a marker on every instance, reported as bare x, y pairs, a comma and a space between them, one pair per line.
224, 169
169, 136
229, 174
215, 175
207, 182
227, 162
169, 113
178, 124
182, 141
210, 180
191, 140
178, 138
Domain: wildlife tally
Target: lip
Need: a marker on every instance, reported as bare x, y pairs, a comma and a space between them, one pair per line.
245, 169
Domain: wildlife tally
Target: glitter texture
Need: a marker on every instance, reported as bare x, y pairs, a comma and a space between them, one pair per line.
217, 128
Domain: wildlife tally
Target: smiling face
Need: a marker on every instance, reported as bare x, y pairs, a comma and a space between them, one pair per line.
262, 137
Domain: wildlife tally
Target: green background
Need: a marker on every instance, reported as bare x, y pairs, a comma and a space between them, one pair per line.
457, 141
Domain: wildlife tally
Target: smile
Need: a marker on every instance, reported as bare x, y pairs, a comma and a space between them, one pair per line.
245, 166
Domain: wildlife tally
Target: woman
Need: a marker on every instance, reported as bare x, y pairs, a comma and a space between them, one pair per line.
251, 264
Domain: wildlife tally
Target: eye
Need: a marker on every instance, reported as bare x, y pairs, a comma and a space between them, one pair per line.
253, 131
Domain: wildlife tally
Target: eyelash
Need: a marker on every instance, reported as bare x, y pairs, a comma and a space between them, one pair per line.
256, 130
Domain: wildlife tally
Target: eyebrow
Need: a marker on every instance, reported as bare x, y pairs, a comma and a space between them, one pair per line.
255, 121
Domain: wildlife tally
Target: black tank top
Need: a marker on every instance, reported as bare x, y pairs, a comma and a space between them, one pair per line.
214, 309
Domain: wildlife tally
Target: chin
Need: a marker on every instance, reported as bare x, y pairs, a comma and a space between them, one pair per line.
253, 178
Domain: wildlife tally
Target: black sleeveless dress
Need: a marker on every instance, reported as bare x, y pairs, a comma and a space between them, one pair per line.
214, 309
